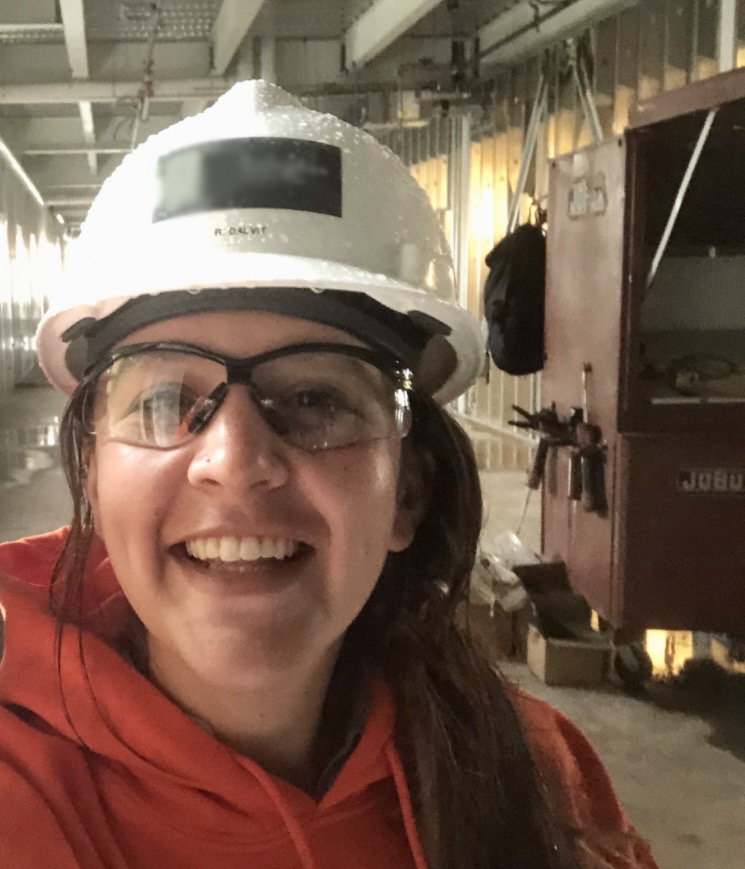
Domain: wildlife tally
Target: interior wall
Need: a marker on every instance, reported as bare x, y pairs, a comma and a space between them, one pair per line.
30, 261
654, 46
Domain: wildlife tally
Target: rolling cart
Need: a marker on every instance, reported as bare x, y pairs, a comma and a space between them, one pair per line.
645, 352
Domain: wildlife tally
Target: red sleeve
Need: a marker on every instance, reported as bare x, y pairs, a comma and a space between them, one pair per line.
51, 814
565, 757
30, 835
32, 559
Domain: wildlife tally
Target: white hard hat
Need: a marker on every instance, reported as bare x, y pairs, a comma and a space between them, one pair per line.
262, 194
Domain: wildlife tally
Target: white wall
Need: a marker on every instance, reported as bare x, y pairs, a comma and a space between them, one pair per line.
30, 260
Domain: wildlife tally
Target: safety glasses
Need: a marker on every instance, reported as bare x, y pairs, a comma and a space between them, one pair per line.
315, 396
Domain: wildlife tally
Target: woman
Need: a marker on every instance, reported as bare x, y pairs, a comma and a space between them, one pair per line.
244, 651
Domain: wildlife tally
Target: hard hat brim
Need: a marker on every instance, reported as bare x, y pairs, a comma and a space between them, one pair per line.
250, 269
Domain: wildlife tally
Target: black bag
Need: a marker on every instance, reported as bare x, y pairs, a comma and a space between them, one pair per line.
514, 295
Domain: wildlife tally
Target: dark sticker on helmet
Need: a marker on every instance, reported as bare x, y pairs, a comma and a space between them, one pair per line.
291, 174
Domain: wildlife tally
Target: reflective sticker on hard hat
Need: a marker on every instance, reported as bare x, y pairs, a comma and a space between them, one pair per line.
291, 174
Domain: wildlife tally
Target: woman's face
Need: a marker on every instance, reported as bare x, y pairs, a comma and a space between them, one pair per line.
337, 509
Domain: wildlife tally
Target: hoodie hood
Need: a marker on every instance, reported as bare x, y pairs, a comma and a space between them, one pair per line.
152, 764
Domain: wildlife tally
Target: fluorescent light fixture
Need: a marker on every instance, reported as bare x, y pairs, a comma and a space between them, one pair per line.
60, 219
20, 171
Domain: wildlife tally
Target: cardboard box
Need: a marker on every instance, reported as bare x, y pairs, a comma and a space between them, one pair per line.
493, 632
567, 662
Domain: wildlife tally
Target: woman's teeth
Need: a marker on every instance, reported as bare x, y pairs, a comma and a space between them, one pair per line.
231, 549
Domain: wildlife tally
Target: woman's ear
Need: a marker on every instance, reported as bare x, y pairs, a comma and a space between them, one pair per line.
413, 496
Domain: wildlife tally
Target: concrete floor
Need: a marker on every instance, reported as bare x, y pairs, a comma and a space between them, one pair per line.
680, 775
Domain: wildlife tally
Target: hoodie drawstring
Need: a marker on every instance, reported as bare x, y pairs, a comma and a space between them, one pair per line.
299, 839
407, 808
294, 829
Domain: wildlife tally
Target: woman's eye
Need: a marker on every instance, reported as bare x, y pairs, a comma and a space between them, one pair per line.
164, 399
322, 400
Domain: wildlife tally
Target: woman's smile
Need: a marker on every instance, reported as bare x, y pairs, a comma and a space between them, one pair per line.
236, 542
232, 566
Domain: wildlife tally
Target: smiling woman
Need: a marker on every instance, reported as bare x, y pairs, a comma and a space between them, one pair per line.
244, 649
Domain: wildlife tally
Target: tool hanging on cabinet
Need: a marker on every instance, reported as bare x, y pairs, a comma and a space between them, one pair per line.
591, 455
585, 442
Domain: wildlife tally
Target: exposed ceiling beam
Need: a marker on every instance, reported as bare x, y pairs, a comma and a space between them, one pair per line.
229, 30
516, 33
37, 28
70, 152
73, 21
55, 133
727, 37
89, 134
70, 201
379, 26
51, 189
193, 107
52, 169
110, 91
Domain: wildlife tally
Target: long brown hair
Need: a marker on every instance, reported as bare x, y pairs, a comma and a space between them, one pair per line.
479, 799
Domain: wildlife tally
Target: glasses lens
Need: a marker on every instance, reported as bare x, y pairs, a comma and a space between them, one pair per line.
321, 400
155, 398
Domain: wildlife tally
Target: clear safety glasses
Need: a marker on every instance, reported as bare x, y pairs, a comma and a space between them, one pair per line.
315, 396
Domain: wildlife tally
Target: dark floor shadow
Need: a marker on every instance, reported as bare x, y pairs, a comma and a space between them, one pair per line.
705, 689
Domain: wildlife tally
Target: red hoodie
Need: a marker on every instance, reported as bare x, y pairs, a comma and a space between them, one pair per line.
114, 774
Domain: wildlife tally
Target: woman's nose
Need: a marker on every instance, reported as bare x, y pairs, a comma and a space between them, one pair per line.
238, 450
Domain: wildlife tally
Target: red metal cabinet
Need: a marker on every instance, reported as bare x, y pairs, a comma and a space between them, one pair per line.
669, 551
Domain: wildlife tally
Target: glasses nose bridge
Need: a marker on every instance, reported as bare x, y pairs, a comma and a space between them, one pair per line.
239, 371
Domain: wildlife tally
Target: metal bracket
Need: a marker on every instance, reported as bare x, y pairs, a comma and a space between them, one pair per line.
678, 204
531, 137
584, 91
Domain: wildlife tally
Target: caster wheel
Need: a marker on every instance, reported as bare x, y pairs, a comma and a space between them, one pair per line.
633, 666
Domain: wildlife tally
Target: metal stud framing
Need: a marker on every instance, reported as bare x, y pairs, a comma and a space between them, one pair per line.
653, 46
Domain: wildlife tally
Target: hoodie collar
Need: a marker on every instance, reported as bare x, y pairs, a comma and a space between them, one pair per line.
100, 701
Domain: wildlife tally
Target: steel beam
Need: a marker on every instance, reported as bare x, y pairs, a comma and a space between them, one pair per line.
73, 21
517, 33
230, 28
380, 25
193, 107
70, 152
51, 189
110, 91
35, 28
727, 35
69, 201
89, 134
268, 59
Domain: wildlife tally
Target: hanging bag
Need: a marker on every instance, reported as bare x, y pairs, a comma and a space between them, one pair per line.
514, 296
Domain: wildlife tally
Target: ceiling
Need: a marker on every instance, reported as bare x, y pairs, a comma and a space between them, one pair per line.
81, 81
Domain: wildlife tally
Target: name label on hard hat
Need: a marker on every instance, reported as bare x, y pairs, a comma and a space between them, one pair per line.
712, 481
291, 174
